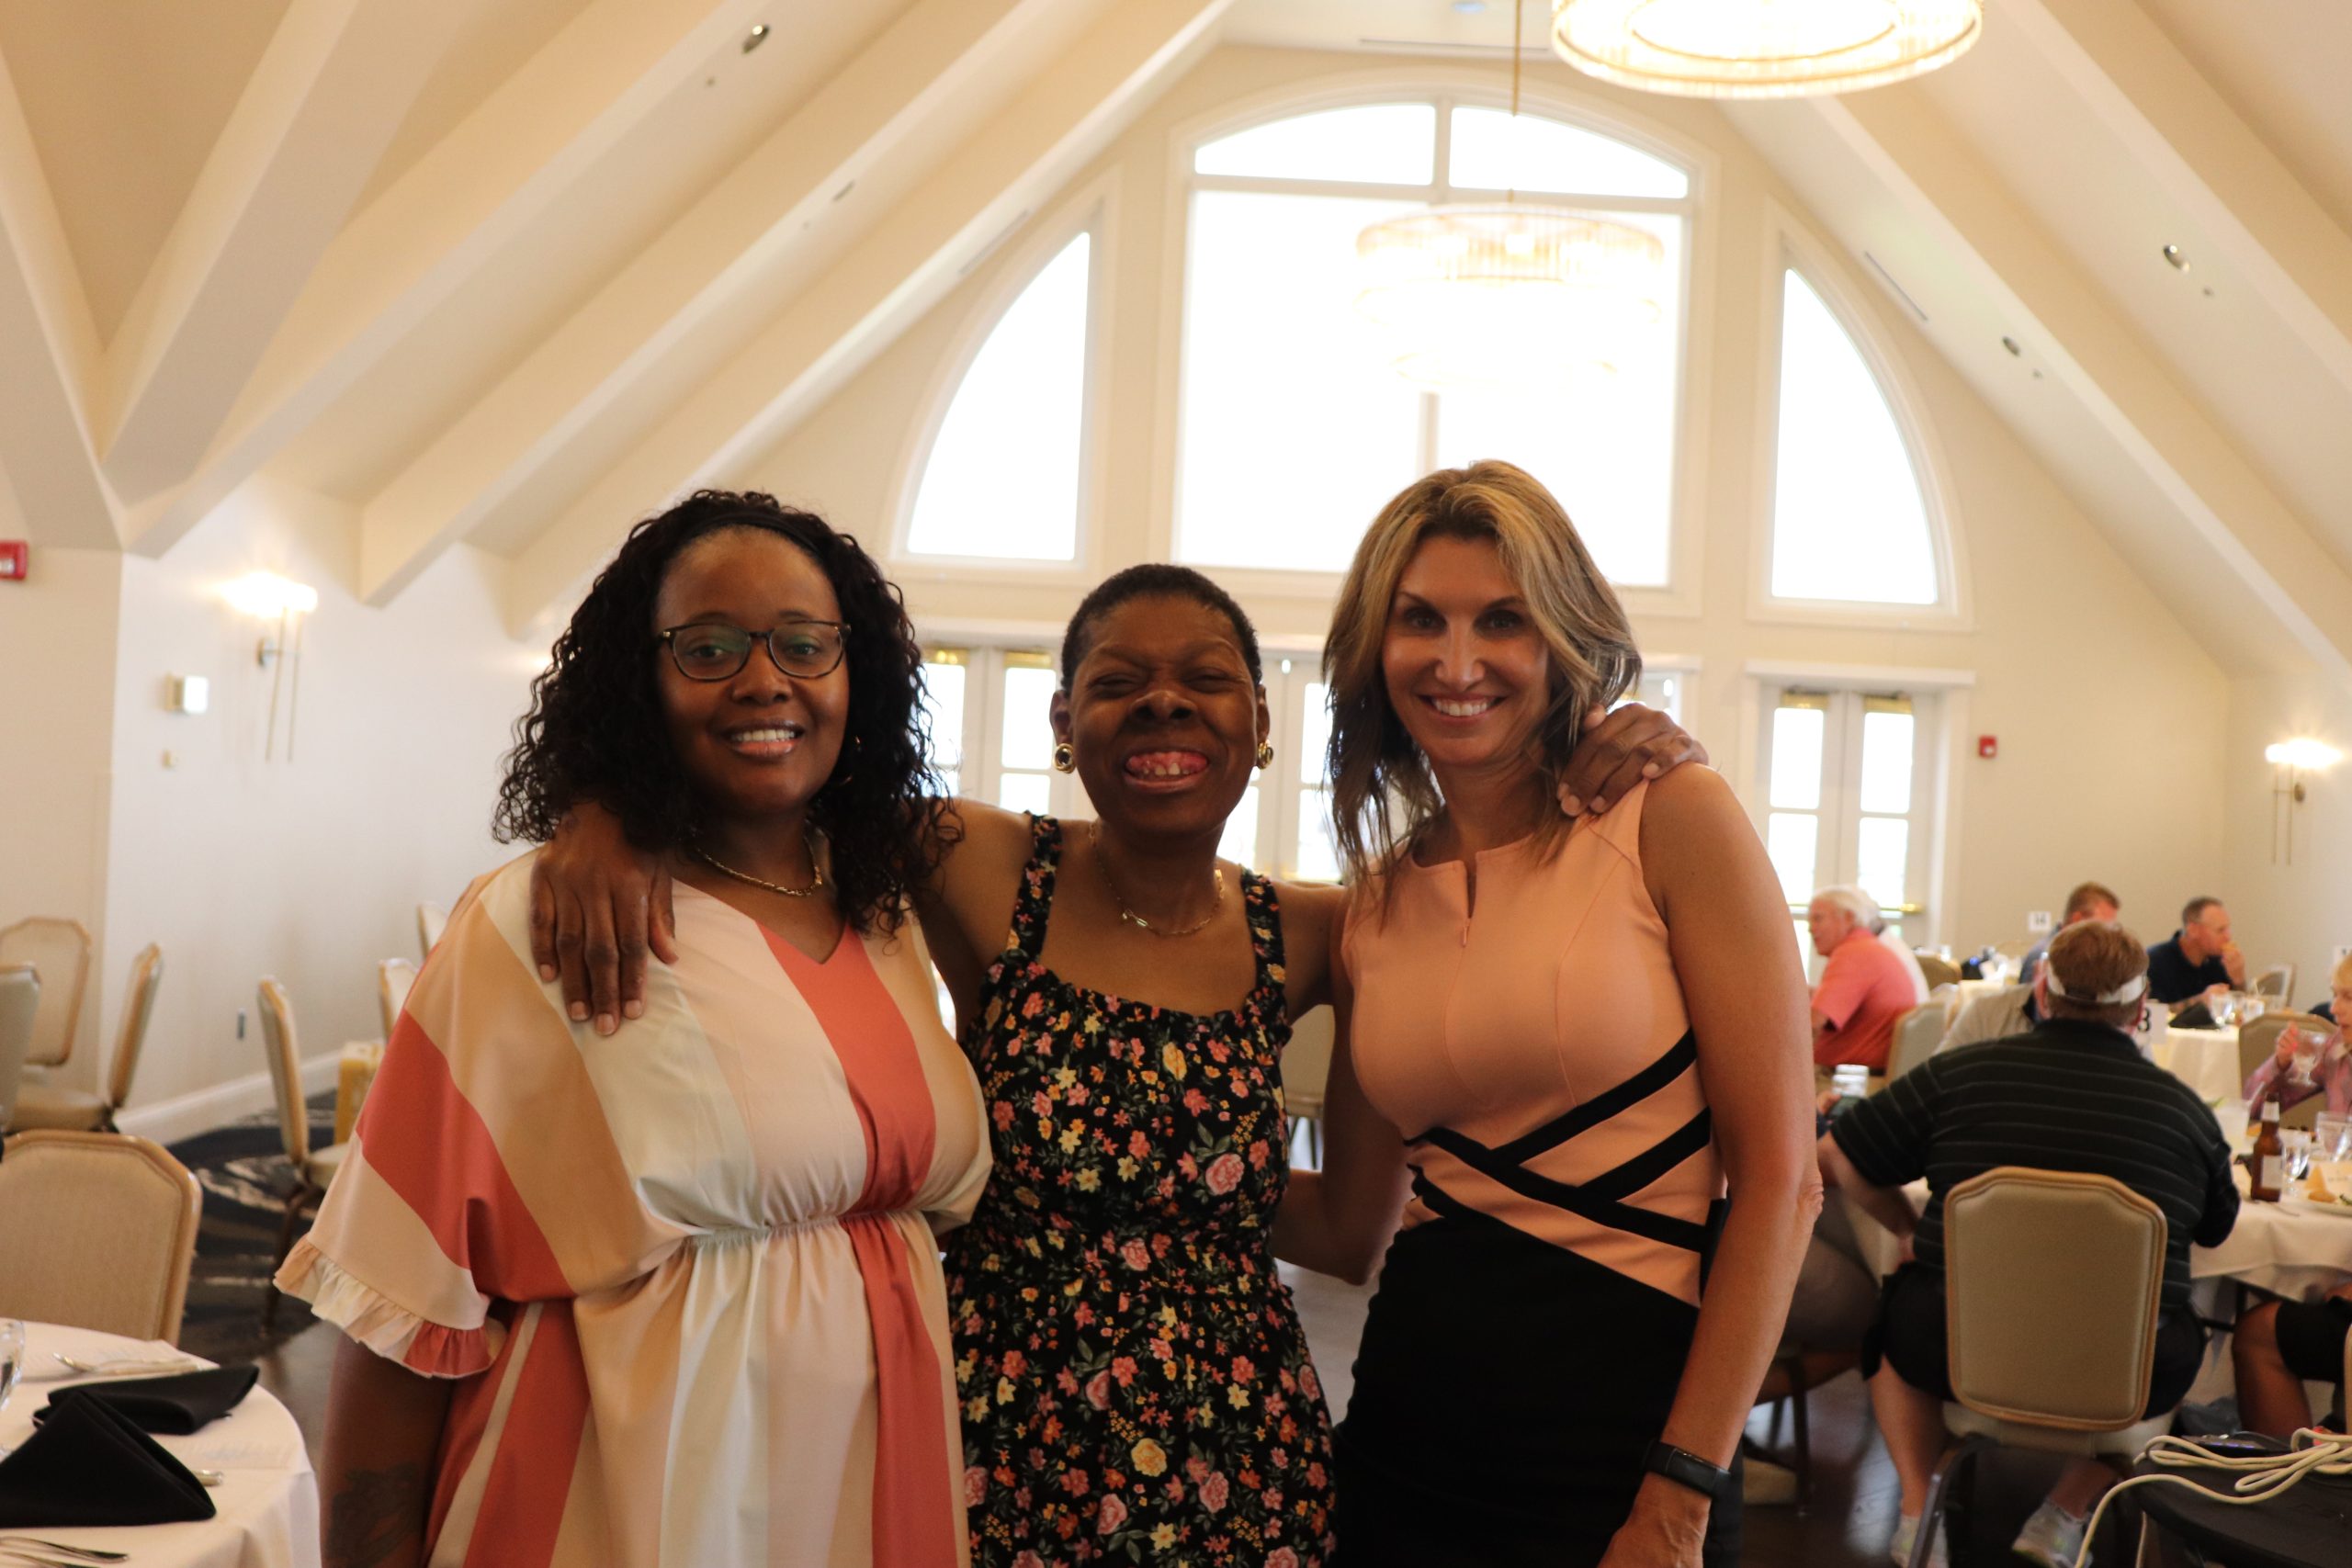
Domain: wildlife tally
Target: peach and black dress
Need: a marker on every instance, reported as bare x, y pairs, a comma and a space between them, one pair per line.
1534, 1315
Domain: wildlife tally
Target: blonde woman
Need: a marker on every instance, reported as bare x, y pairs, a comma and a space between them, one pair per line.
1575, 1040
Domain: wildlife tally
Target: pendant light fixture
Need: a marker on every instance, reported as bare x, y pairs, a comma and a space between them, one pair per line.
1509, 294
1762, 48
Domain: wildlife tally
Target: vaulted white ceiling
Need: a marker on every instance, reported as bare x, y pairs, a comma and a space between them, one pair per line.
499, 271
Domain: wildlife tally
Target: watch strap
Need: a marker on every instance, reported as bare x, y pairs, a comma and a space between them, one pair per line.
1686, 1469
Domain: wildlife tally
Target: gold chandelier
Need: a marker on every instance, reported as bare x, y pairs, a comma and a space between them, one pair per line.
1508, 295
1514, 295
1762, 48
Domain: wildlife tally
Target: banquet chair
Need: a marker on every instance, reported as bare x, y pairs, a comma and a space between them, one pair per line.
314, 1169
1306, 1069
97, 1230
2276, 984
1916, 1035
1938, 971
19, 1003
2258, 1040
431, 921
59, 950
77, 1109
393, 978
2052, 1284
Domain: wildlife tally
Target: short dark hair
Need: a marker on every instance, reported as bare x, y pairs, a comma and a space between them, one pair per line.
2196, 906
1155, 580
595, 730
2088, 896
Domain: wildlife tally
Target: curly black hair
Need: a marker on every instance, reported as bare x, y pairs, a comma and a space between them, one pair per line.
1155, 580
595, 729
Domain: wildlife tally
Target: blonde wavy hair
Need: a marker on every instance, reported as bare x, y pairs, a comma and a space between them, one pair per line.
1382, 793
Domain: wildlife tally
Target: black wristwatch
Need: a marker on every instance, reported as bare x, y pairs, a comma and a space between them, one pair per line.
1686, 1469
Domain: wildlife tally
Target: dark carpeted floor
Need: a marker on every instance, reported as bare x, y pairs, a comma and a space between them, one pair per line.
246, 1181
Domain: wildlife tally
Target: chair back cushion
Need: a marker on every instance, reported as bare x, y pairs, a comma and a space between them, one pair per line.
393, 978
138, 1007
2052, 1284
97, 1230
283, 1048
59, 950
1938, 971
432, 919
19, 1005
1916, 1035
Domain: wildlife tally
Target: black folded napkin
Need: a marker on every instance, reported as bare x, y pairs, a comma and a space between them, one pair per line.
178, 1404
88, 1466
2196, 1015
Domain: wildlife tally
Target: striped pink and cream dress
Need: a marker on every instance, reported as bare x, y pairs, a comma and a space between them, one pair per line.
684, 1277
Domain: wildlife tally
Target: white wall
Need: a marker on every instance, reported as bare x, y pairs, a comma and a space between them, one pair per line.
308, 869
57, 675
2300, 913
2056, 611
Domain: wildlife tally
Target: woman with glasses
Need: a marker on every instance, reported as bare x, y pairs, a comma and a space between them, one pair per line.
1135, 1379
674, 1298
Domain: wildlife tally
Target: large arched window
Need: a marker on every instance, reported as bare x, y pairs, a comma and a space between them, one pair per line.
1004, 478
1850, 512
1294, 428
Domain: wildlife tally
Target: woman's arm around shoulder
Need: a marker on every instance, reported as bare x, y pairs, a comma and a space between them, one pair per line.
1312, 915
966, 907
1337, 1221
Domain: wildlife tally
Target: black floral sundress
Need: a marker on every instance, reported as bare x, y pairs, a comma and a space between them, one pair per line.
1135, 1382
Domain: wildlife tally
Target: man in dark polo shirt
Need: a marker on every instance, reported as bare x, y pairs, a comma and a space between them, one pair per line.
2073, 1095
2199, 960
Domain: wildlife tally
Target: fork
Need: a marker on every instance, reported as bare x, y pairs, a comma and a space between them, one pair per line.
120, 1366
14, 1546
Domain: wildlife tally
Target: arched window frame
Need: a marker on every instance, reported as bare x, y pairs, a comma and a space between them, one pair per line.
1789, 247
1447, 88
1092, 212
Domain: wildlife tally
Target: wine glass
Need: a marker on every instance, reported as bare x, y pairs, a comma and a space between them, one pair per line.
12, 1360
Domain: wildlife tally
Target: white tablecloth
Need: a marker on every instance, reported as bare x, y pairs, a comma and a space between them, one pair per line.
2204, 1059
269, 1503
2294, 1249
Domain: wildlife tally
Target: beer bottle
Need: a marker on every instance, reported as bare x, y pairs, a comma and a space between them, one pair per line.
2267, 1160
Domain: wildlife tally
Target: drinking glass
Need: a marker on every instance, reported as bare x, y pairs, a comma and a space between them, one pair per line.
2295, 1151
2331, 1136
12, 1360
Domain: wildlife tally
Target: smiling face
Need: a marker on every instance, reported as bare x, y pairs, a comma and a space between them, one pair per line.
1466, 671
759, 744
1163, 717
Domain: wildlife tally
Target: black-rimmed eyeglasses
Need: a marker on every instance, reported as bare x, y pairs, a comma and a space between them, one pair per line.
713, 650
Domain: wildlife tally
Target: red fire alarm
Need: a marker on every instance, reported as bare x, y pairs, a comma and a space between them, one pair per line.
12, 559
1987, 747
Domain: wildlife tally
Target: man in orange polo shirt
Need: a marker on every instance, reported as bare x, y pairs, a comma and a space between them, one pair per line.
1864, 989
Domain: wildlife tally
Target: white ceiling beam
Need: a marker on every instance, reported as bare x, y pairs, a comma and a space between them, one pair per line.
326, 98
2186, 136
2095, 352
897, 272
49, 356
685, 290
543, 131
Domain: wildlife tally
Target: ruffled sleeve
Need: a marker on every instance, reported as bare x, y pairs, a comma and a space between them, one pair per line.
383, 1324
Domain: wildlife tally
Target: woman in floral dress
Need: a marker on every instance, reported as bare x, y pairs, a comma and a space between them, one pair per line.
1134, 1383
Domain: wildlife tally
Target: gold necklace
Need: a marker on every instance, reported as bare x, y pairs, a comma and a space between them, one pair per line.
1094, 837
815, 873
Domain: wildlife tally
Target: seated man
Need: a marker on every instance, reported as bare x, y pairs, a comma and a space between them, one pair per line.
2280, 1346
1997, 1016
1865, 987
2199, 961
2075, 1094
2088, 901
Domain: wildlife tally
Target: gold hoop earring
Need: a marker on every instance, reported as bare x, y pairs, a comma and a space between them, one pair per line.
1065, 760
1265, 755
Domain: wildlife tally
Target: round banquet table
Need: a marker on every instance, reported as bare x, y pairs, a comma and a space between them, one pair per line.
2294, 1249
2204, 1059
268, 1503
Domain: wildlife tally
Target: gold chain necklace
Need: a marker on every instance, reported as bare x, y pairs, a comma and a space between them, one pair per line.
816, 870
1094, 838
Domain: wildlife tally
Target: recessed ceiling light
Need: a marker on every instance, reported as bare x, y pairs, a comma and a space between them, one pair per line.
1469, 7
2179, 261
756, 37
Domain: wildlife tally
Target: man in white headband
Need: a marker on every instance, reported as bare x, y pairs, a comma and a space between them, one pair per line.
2074, 1094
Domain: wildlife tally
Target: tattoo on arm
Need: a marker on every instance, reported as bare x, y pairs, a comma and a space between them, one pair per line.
378, 1516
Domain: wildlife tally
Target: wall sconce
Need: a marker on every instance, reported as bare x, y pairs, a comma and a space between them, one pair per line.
268, 597
2293, 759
